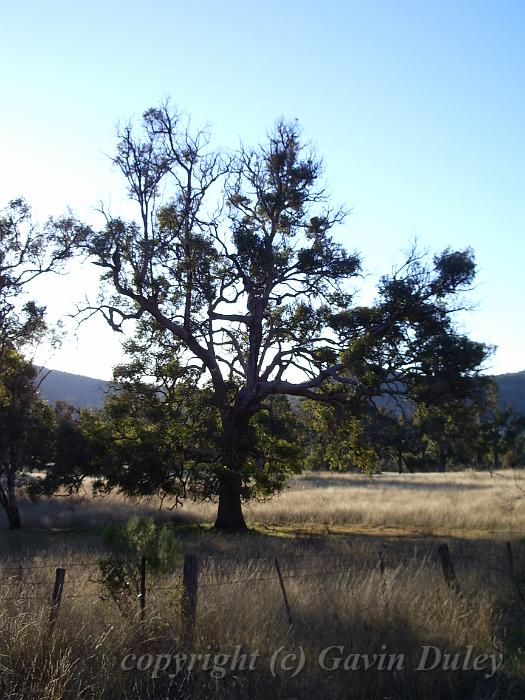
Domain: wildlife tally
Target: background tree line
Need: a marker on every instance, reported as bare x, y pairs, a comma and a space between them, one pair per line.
475, 434
145, 439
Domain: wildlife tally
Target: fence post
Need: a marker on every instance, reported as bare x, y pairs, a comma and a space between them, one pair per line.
510, 559
381, 568
285, 597
190, 583
56, 596
448, 567
381, 562
142, 594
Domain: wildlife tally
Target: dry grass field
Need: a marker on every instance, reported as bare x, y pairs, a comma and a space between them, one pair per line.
328, 532
428, 503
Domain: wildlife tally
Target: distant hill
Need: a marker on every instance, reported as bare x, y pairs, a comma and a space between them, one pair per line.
80, 391
90, 393
512, 390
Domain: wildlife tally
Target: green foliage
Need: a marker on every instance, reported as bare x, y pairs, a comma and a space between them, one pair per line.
27, 426
26, 429
163, 432
243, 293
426, 436
339, 436
142, 536
128, 542
170, 443
121, 582
277, 452
26, 252
81, 449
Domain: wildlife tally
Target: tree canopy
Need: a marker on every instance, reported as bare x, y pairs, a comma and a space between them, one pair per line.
27, 251
233, 263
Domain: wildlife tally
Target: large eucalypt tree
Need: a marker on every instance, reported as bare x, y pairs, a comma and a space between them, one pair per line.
232, 257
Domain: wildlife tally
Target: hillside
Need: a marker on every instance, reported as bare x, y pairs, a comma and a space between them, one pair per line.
80, 391
512, 390
85, 391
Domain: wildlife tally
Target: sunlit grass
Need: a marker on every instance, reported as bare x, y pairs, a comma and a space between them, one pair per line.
326, 531
473, 501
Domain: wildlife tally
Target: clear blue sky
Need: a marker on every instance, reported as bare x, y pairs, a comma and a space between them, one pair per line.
417, 107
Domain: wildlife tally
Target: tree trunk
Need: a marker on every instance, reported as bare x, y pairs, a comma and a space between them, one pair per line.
235, 440
13, 517
443, 459
9, 502
230, 515
495, 452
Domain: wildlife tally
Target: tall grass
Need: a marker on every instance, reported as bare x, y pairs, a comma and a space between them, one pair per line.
336, 593
459, 500
337, 597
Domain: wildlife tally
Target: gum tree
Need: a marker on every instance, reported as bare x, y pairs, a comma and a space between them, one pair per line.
27, 251
232, 258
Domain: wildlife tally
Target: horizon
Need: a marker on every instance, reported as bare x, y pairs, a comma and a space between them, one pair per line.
100, 379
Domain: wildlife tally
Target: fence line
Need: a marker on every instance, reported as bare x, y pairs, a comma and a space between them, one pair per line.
90, 562
197, 573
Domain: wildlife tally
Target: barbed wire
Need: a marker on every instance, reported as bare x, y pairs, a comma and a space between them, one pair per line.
348, 564
386, 548
69, 565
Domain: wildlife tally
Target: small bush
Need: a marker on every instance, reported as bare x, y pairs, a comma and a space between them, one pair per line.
129, 541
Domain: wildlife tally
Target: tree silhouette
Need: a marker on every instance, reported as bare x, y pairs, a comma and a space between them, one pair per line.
232, 260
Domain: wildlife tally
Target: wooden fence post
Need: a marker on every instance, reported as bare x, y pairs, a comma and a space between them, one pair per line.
56, 596
381, 568
448, 567
381, 562
510, 560
190, 583
142, 594
285, 597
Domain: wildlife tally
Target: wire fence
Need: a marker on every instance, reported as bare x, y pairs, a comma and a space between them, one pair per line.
211, 571
216, 565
